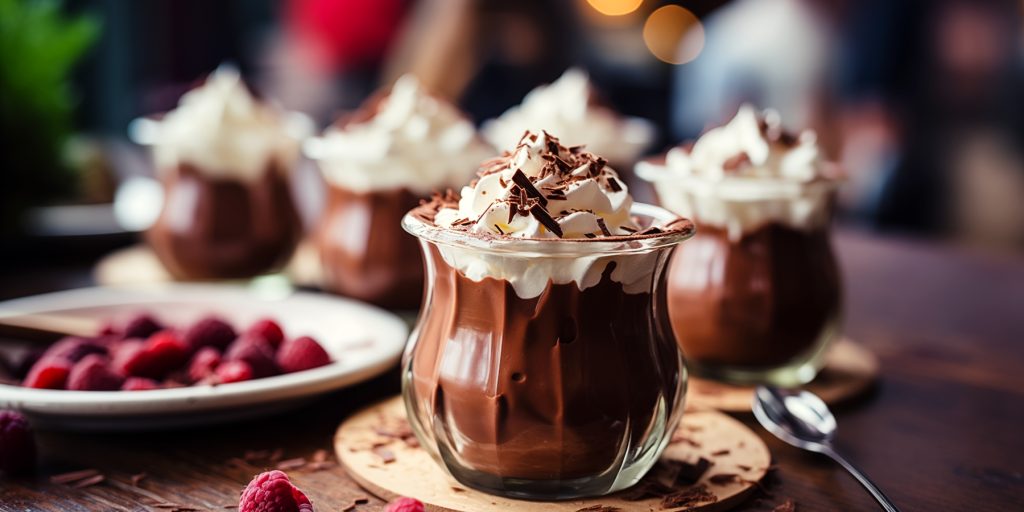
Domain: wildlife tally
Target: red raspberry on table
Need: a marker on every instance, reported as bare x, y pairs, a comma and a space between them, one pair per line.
255, 351
273, 492
203, 364
139, 384
210, 332
233, 371
17, 445
267, 329
155, 358
93, 373
48, 374
404, 504
301, 353
141, 326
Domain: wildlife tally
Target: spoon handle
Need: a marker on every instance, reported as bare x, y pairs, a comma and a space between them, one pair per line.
882, 499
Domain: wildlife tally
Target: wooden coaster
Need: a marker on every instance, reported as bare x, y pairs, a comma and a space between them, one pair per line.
850, 369
138, 265
377, 449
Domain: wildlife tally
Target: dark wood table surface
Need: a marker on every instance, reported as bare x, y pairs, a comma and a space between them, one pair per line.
942, 430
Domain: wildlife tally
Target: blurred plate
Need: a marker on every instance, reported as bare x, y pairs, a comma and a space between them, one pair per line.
363, 341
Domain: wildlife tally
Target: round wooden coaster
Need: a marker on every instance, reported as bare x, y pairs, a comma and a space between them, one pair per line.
379, 452
850, 369
138, 265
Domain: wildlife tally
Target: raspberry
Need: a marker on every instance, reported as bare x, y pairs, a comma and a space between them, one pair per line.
233, 371
17, 445
48, 374
301, 353
203, 364
139, 384
210, 332
74, 348
255, 351
268, 330
273, 492
92, 373
154, 359
142, 326
404, 504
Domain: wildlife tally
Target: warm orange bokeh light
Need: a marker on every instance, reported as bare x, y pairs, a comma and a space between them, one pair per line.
615, 7
674, 35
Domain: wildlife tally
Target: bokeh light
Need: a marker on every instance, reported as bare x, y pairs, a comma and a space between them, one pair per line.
674, 35
615, 7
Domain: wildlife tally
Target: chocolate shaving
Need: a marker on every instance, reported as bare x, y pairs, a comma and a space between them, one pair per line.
627, 229
688, 497
73, 476
499, 229
544, 218
720, 453
690, 473
386, 456
603, 226
589, 235
93, 480
614, 184
138, 478
786, 506
599, 508
736, 162
724, 478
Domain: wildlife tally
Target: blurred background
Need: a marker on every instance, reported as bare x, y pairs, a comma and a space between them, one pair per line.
919, 100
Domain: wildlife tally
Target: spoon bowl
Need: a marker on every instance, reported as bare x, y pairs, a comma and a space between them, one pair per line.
801, 419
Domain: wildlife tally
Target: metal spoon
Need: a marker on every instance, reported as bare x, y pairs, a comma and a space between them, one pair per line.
803, 420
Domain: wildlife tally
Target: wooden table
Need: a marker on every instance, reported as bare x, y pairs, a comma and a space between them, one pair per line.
944, 430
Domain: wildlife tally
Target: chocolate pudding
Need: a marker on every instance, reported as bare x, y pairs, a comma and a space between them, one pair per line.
365, 252
755, 296
761, 302
379, 162
212, 228
553, 387
225, 161
543, 365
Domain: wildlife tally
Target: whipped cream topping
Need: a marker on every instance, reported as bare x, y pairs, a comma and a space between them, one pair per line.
224, 132
565, 107
542, 189
746, 174
413, 140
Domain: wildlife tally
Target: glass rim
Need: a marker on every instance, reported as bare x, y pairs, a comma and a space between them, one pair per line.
681, 230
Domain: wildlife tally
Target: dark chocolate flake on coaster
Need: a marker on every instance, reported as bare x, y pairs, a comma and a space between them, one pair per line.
693, 496
724, 478
599, 508
691, 472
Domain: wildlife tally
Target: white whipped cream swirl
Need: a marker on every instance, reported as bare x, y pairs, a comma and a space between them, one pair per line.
746, 174
224, 132
580, 197
565, 107
413, 140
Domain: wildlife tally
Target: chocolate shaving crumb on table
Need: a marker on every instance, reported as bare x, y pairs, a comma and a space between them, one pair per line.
692, 496
599, 508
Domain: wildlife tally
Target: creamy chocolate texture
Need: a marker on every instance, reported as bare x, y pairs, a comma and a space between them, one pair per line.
364, 251
554, 387
213, 228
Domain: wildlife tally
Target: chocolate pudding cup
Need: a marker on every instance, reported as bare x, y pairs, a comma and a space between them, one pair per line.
755, 296
545, 369
364, 251
221, 227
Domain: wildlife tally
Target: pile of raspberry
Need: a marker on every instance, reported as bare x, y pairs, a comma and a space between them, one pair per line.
144, 354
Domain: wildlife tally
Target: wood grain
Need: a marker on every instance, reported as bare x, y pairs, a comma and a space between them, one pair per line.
941, 431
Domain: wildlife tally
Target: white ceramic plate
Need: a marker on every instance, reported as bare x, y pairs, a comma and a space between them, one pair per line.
363, 341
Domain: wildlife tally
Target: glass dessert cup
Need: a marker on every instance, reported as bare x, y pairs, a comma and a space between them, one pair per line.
524, 385
364, 252
755, 296
222, 227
